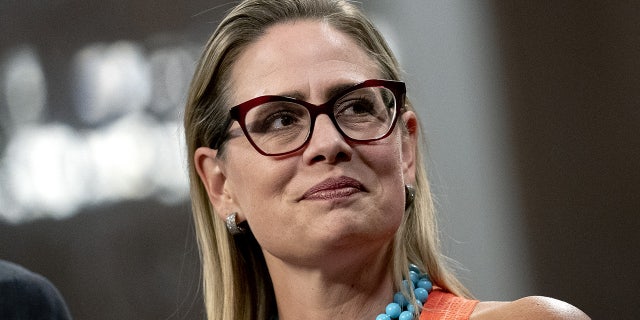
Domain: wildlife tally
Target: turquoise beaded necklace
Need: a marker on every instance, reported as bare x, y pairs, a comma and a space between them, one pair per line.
401, 308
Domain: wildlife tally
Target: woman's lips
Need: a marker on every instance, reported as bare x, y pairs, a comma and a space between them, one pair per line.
333, 188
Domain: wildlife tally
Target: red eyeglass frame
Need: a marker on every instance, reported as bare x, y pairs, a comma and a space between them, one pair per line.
239, 112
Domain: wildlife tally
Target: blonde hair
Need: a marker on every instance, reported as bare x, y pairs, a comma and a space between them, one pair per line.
236, 281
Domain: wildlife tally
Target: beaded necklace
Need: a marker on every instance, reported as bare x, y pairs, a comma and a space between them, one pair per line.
401, 308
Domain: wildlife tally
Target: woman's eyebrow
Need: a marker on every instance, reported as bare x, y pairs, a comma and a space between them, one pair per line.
337, 89
332, 92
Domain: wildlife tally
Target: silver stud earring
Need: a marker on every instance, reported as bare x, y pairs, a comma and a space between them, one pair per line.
232, 225
409, 196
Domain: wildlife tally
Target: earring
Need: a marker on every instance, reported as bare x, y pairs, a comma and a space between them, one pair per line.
409, 196
232, 226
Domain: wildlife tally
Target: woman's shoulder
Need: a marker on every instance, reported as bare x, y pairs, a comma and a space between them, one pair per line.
533, 307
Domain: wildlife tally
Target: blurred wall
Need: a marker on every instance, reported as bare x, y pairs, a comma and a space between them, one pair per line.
572, 72
530, 112
93, 192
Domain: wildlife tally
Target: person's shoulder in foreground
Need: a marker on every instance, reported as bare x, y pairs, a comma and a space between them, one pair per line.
26, 295
533, 307
443, 305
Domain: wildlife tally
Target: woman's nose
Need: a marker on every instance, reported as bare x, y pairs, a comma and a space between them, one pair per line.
326, 144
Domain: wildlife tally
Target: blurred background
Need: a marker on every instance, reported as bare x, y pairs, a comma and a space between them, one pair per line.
531, 112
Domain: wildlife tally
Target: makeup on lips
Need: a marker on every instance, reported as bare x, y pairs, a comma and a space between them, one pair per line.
334, 188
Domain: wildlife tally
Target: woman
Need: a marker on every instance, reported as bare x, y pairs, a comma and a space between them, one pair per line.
310, 196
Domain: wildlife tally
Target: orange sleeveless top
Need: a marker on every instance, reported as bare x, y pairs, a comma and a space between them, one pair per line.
446, 306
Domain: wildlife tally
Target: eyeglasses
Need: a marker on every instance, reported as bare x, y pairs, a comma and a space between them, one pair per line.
277, 125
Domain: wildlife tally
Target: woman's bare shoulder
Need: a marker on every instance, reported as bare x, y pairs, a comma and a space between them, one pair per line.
534, 307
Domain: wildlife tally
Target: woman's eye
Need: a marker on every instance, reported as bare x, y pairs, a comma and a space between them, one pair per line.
356, 107
277, 121
280, 120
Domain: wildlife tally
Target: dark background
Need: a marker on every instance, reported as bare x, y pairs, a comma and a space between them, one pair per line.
572, 88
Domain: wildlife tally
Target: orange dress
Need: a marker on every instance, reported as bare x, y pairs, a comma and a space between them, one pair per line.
446, 306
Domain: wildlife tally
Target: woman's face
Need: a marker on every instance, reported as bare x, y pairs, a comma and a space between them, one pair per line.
332, 194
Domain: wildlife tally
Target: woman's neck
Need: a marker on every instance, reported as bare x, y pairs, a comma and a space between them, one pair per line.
353, 286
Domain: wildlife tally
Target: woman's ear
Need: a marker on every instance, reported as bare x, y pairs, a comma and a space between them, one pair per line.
409, 146
211, 171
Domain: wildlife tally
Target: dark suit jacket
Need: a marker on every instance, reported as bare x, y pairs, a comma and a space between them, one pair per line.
25, 295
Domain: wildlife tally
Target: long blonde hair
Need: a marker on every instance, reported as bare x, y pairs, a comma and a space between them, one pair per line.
236, 281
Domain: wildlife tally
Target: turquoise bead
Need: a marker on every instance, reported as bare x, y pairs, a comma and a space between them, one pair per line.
425, 283
421, 294
411, 308
414, 277
400, 299
406, 315
393, 310
408, 285
414, 268
383, 317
